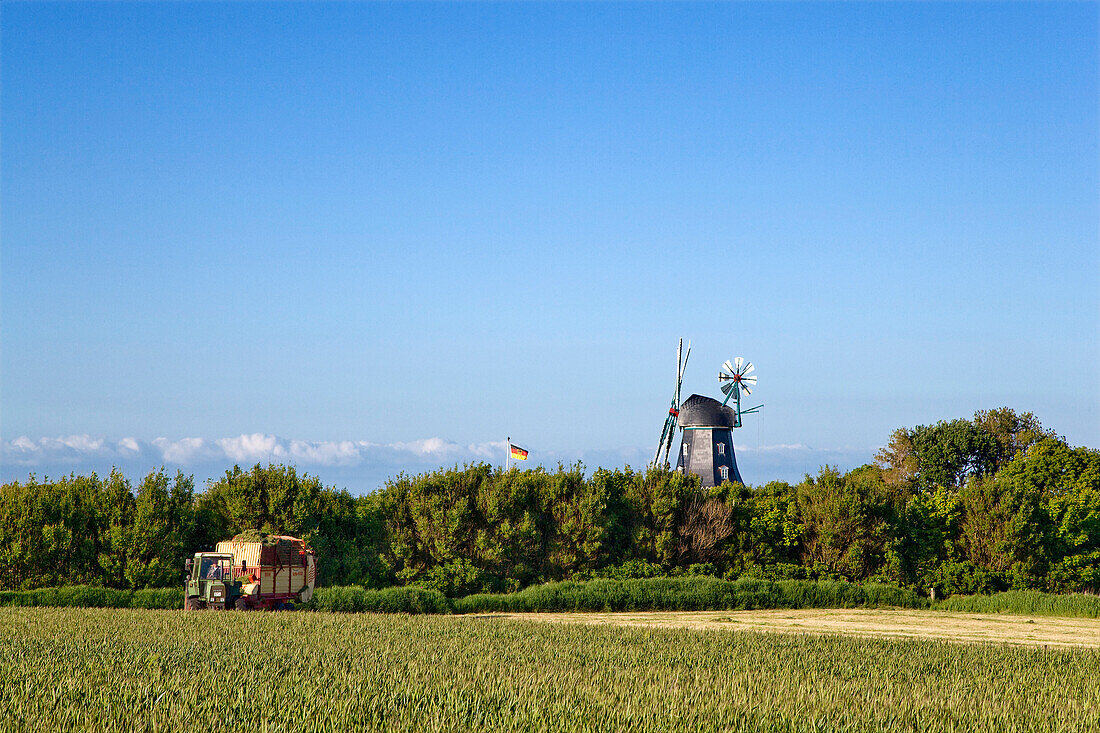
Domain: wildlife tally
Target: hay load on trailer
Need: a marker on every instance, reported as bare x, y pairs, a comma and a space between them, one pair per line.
273, 566
252, 570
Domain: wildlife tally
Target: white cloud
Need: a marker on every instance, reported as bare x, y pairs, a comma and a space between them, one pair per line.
490, 450
181, 451
251, 448
333, 453
426, 447
79, 443
23, 444
24, 451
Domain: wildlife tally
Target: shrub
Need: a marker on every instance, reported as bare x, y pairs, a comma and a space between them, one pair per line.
1075, 572
774, 571
456, 578
1026, 602
355, 599
167, 598
965, 578
82, 596
689, 593
628, 570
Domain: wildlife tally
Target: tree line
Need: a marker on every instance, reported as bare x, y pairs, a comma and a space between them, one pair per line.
964, 506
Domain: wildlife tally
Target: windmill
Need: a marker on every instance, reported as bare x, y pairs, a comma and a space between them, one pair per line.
707, 446
734, 379
669, 430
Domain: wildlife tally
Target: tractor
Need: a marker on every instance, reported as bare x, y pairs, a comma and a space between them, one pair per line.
251, 571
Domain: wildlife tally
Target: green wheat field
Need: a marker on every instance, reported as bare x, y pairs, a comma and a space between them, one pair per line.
128, 669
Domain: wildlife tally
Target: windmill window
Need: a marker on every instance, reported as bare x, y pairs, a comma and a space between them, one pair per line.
721, 449
724, 470
685, 450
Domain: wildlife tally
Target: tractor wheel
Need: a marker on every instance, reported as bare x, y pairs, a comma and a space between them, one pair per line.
241, 604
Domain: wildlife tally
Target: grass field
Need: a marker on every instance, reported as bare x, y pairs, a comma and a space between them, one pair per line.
124, 669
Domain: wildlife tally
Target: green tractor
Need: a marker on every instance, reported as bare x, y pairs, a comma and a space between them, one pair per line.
210, 583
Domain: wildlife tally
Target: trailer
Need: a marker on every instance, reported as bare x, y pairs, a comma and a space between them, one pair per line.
251, 571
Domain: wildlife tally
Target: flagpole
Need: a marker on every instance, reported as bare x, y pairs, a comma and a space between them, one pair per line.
508, 451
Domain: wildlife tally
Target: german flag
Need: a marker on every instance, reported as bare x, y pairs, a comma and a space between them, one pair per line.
518, 454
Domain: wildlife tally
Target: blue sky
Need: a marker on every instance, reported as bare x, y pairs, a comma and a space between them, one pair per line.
372, 237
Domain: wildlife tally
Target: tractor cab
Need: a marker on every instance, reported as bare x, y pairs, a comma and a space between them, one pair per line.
210, 582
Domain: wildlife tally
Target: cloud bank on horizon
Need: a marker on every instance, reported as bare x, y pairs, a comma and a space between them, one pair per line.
242, 449
359, 464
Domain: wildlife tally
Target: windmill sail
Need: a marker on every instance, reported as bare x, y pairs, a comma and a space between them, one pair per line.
734, 379
668, 432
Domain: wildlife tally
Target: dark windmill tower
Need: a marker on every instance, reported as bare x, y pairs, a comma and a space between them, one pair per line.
707, 446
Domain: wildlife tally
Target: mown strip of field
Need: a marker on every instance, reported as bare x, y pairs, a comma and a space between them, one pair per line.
862, 622
107, 669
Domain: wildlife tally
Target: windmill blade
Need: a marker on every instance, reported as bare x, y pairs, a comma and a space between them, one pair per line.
667, 435
679, 375
745, 388
738, 361
675, 395
727, 387
668, 443
728, 367
748, 369
661, 442
681, 367
749, 380
723, 377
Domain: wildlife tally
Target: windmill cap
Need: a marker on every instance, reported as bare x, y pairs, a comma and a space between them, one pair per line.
698, 411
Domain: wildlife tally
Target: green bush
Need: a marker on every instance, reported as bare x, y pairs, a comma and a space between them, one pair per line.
167, 598
958, 578
456, 578
786, 571
355, 599
689, 593
841, 594
1075, 572
83, 596
1026, 602
629, 570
